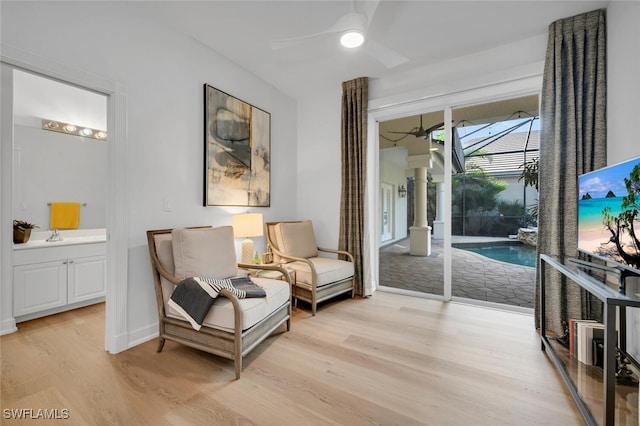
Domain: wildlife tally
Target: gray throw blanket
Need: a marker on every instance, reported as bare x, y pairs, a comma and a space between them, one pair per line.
194, 296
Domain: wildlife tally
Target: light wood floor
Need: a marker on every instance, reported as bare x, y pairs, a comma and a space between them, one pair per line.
389, 359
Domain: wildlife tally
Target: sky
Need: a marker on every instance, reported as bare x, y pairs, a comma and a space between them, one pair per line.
599, 182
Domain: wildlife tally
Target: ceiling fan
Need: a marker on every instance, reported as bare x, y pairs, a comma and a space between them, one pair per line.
421, 132
355, 23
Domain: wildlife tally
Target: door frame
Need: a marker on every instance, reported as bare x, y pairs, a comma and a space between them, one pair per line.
116, 334
414, 104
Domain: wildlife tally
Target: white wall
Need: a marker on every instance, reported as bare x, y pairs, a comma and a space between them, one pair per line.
623, 86
623, 104
319, 164
163, 74
52, 166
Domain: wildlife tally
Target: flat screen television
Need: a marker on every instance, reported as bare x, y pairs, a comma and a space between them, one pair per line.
609, 214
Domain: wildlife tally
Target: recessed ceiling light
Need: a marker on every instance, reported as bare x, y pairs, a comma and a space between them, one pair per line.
86, 132
69, 128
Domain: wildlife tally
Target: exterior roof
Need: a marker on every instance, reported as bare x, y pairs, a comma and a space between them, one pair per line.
505, 155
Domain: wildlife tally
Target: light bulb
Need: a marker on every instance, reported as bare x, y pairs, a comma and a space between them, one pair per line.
352, 39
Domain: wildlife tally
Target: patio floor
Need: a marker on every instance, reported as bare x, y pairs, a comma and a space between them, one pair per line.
473, 276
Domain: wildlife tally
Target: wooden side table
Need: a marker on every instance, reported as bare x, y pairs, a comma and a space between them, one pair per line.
276, 275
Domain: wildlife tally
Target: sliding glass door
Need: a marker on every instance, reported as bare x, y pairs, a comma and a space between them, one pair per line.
493, 203
411, 214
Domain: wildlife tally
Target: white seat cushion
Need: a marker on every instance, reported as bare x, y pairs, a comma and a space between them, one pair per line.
328, 270
221, 315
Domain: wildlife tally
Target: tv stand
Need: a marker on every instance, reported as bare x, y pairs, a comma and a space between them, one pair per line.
622, 273
612, 299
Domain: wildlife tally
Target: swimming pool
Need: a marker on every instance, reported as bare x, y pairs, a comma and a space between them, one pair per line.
512, 252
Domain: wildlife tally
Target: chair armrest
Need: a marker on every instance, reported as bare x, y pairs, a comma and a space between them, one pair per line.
237, 319
342, 252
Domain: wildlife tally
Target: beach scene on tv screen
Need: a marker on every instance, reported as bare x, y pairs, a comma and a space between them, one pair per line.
608, 204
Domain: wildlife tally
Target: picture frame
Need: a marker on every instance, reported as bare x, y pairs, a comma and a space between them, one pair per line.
237, 152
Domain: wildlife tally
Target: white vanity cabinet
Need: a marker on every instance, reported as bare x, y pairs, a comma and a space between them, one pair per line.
53, 279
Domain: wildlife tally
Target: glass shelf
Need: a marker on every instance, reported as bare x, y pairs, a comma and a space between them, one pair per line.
609, 286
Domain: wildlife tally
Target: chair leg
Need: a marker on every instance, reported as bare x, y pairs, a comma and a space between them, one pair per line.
160, 344
238, 364
313, 308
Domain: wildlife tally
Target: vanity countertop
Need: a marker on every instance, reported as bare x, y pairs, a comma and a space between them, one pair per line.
69, 237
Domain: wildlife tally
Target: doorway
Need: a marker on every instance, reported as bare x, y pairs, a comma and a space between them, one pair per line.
494, 210
386, 212
116, 338
412, 155
453, 161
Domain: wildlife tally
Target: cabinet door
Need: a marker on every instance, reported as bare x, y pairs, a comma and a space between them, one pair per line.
39, 286
87, 278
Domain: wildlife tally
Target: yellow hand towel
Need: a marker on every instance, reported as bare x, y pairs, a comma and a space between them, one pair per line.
65, 215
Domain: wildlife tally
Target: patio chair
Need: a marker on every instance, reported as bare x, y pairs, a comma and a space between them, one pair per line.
317, 278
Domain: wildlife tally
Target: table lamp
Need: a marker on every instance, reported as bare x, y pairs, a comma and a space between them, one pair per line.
247, 225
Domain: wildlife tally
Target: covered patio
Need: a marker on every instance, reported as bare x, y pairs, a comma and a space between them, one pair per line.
474, 276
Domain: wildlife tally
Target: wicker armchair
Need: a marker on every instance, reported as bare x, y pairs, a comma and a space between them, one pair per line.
234, 326
318, 278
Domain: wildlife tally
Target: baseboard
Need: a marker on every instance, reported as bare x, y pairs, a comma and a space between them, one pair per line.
142, 335
8, 326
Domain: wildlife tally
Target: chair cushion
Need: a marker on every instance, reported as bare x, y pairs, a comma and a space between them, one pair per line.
296, 239
328, 270
221, 315
208, 252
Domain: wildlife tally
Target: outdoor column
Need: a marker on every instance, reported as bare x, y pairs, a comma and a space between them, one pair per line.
438, 224
420, 232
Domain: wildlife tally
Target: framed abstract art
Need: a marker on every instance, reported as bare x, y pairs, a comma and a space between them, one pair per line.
237, 151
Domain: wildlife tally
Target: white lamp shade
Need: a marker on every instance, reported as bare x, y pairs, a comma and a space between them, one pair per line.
247, 225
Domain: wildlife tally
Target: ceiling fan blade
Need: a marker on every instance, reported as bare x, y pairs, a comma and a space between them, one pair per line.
284, 43
345, 22
368, 8
388, 57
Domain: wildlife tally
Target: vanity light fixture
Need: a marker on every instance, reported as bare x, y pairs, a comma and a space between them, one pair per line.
72, 129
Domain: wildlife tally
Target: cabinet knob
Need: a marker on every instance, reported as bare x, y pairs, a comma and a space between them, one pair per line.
64, 262
71, 261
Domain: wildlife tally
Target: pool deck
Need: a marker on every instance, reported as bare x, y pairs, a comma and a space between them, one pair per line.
473, 276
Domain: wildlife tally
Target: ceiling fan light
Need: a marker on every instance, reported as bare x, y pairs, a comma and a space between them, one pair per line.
352, 39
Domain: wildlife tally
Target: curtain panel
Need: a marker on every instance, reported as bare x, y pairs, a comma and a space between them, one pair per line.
355, 99
573, 142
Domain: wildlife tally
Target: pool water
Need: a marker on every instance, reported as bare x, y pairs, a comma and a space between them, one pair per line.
515, 252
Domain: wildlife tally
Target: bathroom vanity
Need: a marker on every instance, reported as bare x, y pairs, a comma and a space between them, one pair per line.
55, 276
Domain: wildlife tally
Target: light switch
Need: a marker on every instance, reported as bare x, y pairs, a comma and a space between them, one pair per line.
168, 205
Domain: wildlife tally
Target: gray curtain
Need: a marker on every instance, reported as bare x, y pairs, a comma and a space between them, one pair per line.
355, 99
573, 141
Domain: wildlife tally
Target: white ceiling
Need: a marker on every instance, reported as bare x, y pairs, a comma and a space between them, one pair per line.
425, 32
